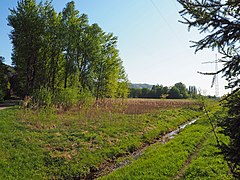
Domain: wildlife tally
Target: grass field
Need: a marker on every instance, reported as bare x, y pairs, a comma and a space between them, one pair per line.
74, 143
209, 164
191, 155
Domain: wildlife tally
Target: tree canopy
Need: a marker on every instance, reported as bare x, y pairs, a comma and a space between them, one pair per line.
62, 50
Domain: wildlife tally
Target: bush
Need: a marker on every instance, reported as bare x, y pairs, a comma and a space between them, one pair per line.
42, 97
67, 98
63, 98
86, 99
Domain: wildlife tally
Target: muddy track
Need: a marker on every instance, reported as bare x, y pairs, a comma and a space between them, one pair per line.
112, 165
7, 105
191, 157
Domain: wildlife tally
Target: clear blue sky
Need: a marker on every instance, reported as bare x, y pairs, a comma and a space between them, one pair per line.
154, 46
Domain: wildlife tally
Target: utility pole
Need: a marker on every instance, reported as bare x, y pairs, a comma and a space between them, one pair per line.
215, 77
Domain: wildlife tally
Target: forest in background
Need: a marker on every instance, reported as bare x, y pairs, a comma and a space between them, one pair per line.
177, 91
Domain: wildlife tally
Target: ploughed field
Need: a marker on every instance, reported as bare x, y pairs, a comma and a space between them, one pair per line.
139, 106
81, 142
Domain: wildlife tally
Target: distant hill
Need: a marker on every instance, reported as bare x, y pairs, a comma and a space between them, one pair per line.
140, 86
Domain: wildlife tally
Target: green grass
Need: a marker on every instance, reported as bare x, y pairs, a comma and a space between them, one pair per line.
209, 163
45, 145
165, 161
21, 156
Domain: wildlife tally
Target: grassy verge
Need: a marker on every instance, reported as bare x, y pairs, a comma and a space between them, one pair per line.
165, 161
21, 156
40, 145
209, 164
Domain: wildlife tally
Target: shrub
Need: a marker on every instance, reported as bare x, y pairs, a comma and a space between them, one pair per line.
67, 98
86, 99
42, 97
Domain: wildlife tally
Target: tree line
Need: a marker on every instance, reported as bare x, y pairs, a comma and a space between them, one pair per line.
178, 91
58, 51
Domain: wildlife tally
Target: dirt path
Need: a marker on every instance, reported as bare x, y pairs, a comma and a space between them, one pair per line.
6, 105
1, 108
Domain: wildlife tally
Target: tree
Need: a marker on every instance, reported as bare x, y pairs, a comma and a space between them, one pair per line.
2, 78
156, 91
174, 93
122, 82
183, 90
221, 21
192, 90
26, 38
52, 48
231, 128
165, 90
70, 22
135, 92
145, 93
55, 52
178, 91
6, 74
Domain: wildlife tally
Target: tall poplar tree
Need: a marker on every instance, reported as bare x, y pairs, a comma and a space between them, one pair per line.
26, 38
52, 48
70, 24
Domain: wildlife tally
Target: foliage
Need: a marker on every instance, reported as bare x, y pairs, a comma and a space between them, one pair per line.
67, 98
183, 90
174, 93
192, 90
220, 20
60, 51
231, 128
1, 95
85, 99
6, 74
178, 91
42, 98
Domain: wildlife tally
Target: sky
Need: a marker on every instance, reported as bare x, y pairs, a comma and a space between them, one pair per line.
154, 46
